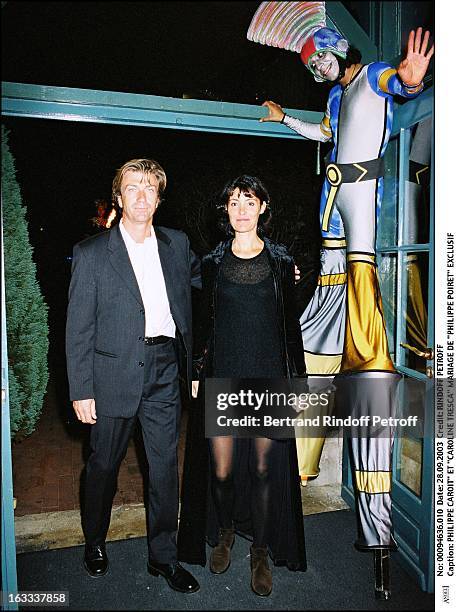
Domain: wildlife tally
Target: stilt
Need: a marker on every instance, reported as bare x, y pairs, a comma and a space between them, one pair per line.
382, 574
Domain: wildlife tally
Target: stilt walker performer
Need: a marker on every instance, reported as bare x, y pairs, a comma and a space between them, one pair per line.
343, 326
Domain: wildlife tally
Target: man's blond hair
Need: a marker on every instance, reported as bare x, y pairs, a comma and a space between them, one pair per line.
146, 167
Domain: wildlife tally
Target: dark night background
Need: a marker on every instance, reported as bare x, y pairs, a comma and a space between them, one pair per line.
196, 49
192, 49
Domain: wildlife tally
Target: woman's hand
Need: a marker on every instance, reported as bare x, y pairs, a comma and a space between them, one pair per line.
297, 272
195, 386
275, 112
413, 68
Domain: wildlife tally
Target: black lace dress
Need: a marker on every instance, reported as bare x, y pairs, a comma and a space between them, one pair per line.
247, 344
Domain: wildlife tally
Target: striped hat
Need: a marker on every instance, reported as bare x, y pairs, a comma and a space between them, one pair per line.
296, 26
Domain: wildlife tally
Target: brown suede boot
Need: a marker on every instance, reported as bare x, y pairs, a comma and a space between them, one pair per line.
221, 554
261, 574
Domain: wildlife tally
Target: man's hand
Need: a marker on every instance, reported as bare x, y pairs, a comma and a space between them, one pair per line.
85, 410
413, 68
275, 112
195, 386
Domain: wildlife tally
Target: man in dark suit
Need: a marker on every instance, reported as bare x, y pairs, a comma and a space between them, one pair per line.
128, 326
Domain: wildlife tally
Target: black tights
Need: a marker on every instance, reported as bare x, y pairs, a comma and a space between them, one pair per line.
223, 492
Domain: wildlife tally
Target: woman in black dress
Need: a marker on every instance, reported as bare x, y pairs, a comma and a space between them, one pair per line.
248, 328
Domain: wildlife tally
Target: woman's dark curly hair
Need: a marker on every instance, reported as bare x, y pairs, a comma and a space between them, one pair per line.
248, 185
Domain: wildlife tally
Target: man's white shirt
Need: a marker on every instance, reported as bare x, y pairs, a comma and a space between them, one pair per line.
146, 264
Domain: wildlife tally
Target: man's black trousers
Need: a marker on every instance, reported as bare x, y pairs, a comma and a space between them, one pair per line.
158, 414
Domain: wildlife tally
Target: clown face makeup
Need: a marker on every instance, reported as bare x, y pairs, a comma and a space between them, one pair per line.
325, 65
323, 54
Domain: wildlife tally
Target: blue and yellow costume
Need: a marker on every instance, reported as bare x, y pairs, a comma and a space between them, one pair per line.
359, 121
343, 326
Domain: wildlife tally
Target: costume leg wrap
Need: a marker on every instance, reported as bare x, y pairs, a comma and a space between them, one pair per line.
369, 394
323, 350
366, 345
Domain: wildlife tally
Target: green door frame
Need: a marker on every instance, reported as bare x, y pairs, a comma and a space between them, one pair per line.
9, 578
88, 105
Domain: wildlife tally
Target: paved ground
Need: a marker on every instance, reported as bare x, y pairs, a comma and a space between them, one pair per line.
338, 577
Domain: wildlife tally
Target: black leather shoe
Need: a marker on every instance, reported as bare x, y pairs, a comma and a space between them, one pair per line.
96, 560
177, 577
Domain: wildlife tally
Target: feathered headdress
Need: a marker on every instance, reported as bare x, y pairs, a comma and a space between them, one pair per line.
296, 26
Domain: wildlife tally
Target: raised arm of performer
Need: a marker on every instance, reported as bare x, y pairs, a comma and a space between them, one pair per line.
406, 81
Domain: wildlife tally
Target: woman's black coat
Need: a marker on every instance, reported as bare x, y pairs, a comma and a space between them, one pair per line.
193, 526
